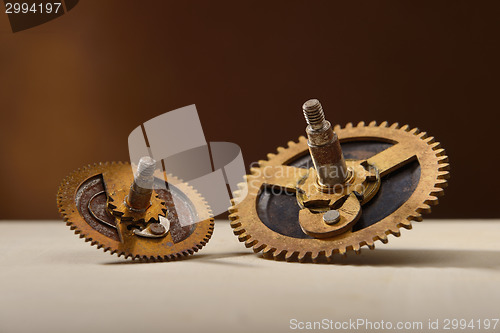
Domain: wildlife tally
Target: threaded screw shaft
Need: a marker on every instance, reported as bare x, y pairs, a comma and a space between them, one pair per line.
142, 188
313, 112
145, 170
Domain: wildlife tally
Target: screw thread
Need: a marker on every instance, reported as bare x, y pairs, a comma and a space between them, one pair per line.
313, 112
145, 170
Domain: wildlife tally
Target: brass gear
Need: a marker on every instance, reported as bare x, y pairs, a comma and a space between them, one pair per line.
83, 198
429, 172
117, 195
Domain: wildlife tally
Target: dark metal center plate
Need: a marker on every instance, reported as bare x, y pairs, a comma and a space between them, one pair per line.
280, 212
92, 191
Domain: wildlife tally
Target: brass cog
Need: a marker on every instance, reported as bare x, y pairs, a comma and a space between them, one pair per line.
82, 200
271, 226
118, 189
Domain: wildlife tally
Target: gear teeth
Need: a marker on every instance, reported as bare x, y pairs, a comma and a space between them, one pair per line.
329, 253
250, 242
424, 209
383, 239
371, 246
304, 256
430, 140
433, 151
278, 255
235, 223
417, 218
291, 256
438, 192
258, 247
280, 149
238, 230
440, 152
270, 156
243, 237
93, 242
442, 159
442, 183
317, 256
435, 145
396, 233
443, 167
406, 226
423, 135
233, 208
414, 131
268, 252
431, 201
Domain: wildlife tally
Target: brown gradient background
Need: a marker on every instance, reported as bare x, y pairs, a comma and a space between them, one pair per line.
71, 90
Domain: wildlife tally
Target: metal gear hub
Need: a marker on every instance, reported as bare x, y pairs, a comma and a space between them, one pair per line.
338, 190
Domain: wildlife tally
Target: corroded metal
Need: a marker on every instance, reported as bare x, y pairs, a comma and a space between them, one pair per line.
425, 176
324, 146
83, 202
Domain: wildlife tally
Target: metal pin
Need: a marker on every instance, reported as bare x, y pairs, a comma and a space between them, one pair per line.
139, 197
324, 146
331, 217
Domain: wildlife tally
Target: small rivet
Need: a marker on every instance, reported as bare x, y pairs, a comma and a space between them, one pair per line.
331, 216
157, 228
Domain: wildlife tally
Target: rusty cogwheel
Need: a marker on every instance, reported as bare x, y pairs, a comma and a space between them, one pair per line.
90, 201
394, 176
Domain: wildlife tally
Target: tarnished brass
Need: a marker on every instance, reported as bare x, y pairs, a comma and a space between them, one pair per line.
314, 225
84, 201
118, 190
405, 146
324, 146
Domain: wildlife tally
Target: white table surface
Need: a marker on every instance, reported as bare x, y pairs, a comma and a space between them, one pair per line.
52, 281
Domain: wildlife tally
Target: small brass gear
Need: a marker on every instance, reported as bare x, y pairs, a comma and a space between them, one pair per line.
268, 222
117, 196
83, 202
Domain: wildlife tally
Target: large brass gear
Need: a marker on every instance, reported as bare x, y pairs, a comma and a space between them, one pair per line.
83, 201
272, 227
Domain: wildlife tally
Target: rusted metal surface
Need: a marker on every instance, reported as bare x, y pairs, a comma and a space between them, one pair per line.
118, 189
420, 179
157, 228
324, 146
141, 190
82, 201
90, 202
313, 224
